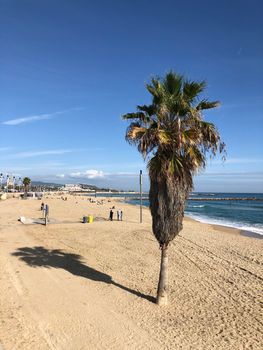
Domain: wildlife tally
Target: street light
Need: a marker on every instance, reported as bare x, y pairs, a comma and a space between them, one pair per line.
7, 182
140, 196
1, 179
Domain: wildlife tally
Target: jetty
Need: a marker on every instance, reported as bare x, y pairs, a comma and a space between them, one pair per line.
226, 199
212, 199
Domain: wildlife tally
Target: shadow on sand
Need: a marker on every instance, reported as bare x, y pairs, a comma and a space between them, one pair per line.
56, 258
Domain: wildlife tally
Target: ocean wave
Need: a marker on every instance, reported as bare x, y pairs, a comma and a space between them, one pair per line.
196, 206
239, 225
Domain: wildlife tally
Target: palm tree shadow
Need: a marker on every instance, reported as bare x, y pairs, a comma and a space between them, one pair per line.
56, 258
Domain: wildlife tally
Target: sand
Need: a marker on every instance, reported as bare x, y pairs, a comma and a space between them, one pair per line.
92, 286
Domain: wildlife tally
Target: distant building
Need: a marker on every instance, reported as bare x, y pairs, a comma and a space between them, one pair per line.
71, 188
9, 182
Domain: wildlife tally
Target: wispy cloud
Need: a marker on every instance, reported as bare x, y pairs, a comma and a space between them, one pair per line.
27, 119
39, 153
37, 117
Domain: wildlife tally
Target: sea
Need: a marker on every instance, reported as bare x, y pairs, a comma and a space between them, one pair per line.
243, 211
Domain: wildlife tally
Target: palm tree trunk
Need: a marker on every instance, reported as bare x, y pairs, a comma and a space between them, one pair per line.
26, 189
167, 199
162, 293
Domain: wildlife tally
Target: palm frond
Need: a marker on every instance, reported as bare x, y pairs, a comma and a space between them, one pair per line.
132, 133
155, 166
150, 109
205, 104
190, 137
154, 88
192, 89
196, 157
173, 83
138, 115
209, 132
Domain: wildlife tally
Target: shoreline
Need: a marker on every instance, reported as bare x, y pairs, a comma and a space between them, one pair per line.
229, 229
218, 227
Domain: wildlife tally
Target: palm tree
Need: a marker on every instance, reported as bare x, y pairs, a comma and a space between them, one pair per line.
26, 183
172, 135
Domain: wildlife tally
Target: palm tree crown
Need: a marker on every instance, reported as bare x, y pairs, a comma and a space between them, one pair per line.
26, 181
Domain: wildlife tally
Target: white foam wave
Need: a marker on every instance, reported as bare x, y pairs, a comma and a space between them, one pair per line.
196, 206
239, 225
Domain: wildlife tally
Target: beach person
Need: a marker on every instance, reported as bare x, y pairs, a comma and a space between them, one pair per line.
111, 215
119, 215
42, 206
46, 211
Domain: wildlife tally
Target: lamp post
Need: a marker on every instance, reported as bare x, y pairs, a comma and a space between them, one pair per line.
7, 182
140, 196
1, 180
14, 180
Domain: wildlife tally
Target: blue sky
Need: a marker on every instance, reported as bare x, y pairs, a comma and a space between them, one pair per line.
70, 69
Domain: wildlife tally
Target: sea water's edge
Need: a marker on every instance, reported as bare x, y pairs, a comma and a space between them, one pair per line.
236, 225
247, 231
244, 230
241, 211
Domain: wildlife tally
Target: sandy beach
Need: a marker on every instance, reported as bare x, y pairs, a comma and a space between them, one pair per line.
92, 286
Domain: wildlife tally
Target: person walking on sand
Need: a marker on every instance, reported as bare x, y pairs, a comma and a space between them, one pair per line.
111, 215
119, 215
46, 211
